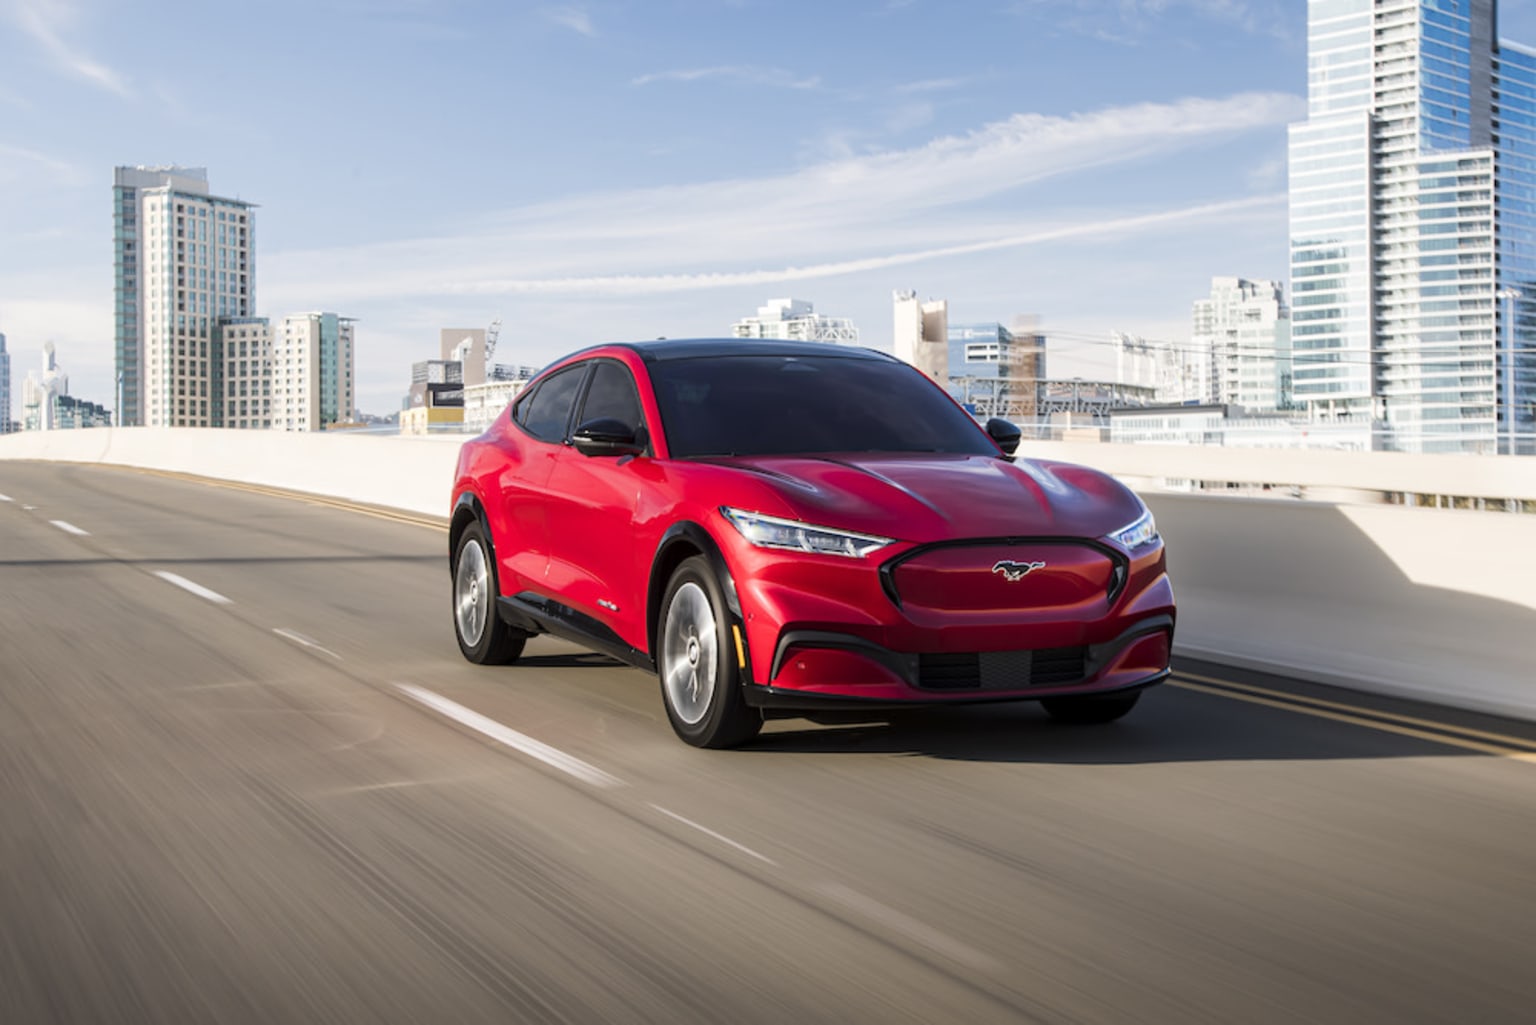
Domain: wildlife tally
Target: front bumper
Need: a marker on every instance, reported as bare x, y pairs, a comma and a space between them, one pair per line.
820, 634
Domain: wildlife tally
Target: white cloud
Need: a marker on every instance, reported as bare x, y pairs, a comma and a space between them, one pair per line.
61, 170
827, 218
47, 21
776, 77
574, 18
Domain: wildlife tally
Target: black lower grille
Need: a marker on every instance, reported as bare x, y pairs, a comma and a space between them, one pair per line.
1002, 670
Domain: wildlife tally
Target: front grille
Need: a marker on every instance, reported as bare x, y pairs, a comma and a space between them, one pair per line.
1002, 670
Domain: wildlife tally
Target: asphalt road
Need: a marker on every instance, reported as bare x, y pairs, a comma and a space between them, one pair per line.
266, 788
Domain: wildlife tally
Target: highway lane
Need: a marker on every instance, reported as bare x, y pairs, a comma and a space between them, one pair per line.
205, 819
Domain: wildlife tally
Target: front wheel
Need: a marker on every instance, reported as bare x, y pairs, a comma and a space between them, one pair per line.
700, 682
1089, 711
483, 637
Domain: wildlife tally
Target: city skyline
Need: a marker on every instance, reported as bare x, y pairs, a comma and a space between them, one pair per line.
610, 174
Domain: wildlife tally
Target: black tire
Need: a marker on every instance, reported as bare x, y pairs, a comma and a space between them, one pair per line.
702, 691
475, 591
1090, 711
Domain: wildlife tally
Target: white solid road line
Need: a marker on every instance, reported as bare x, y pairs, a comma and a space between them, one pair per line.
743, 848
197, 589
299, 638
70, 528
551, 756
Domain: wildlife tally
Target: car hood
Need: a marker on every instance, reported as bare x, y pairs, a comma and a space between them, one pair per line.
932, 497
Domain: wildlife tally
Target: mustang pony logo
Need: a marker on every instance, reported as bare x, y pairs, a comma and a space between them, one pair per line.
1012, 571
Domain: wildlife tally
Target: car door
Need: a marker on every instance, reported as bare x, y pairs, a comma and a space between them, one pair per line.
540, 422
596, 565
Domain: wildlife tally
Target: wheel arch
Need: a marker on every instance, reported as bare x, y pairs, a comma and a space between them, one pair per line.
466, 510
684, 540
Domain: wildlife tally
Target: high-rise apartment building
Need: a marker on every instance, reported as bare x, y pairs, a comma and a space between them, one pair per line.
245, 344
1246, 328
312, 380
184, 261
1413, 222
5, 388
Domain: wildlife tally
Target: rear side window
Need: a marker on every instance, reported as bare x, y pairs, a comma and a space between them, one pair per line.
612, 394
545, 413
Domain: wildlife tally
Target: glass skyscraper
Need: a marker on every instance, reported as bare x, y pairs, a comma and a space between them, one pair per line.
1412, 223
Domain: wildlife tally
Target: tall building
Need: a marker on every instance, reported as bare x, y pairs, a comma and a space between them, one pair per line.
921, 334
1413, 222
184, 260
795, 320
1246, 328
5, 388
994, 371
246, 346
312, 376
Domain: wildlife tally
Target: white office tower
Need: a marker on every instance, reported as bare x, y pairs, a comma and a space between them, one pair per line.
313, 384
5, 388
921, 334
795, 320
1246, 328
1412, 223
184, 260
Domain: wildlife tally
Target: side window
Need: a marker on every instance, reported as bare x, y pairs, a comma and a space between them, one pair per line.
612, 394
545, 413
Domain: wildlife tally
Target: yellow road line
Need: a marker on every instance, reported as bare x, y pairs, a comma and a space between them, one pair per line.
1406, 720
1288, 703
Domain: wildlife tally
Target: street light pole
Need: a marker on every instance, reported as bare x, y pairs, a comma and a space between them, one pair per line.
1509, 295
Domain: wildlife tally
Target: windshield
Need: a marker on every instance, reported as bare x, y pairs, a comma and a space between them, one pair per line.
792, 405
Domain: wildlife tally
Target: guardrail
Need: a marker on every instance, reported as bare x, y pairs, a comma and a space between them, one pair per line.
1437, 604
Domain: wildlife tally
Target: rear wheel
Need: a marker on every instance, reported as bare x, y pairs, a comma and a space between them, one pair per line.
483, 637
1088, 711
700, 682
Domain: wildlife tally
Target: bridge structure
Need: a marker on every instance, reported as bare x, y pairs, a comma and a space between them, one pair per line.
245, 774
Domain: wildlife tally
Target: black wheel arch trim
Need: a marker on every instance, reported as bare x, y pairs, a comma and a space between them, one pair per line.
470, 501
692, 534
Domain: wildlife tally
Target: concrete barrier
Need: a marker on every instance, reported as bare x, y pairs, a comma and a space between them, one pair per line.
414, 473
1423, 603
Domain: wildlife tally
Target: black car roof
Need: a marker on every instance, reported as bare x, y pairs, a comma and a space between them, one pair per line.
695, 348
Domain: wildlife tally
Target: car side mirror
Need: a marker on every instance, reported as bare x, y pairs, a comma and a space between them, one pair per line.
605, 436
1005, 434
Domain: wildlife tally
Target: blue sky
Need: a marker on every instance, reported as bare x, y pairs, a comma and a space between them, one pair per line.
592, 171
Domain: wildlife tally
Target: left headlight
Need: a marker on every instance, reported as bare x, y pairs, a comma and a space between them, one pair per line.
1141, 532
773, 532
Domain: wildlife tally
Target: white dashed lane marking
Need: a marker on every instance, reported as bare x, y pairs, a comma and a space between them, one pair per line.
197, 589
743, 848
6, 498
298, 638
70, 528
551, 756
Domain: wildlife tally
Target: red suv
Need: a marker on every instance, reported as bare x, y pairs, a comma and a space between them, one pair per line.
790, 528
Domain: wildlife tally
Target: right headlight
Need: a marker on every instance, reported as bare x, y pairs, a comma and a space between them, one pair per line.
773, 532
1142, 532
